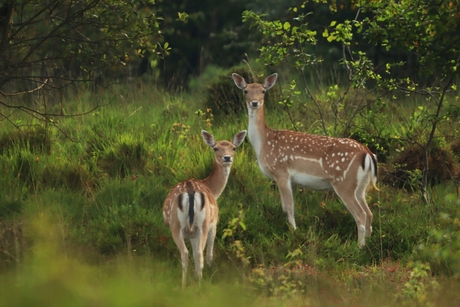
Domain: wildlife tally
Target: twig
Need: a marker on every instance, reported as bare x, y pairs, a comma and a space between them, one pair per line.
132, 113
318, 107
47, 115
25, 92
249, 67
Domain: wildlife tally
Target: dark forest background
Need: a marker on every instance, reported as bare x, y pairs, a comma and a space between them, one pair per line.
52, 44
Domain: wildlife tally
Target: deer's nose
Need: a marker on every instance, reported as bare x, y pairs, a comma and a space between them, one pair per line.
254, 104
227, 158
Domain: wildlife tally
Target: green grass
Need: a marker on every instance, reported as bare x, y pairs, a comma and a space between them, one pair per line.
81, 222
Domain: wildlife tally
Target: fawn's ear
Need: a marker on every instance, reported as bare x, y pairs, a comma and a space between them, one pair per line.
239, 81
270, 81
208, 138
239, 138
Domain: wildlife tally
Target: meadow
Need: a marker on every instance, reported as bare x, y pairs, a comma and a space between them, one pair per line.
81, 214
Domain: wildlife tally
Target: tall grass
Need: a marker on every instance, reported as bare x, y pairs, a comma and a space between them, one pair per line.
56, 272
81, 223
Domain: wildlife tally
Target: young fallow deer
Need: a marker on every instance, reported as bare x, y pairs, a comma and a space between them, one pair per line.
314, 161
190, 209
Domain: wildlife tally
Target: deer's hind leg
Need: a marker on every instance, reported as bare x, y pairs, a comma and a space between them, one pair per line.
361, 197
198, 244
179, 240
350, 200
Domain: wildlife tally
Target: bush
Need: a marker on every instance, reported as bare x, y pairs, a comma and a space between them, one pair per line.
442, 248
69, 175
455, 147
125, 216
26, 169
124, 157
10, 206
36, 140
223, 97
407, 167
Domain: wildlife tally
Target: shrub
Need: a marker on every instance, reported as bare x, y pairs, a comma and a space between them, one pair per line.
13, 193
12, 242
222, 96
36, 140
9, 206
209, 75
442, 247
66, 175
407, 168
124, 157
122, 218
455, 147
25, 168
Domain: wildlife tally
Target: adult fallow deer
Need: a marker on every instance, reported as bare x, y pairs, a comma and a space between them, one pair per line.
190, 209
314, 161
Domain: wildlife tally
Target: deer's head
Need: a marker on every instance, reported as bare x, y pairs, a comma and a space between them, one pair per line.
254, 92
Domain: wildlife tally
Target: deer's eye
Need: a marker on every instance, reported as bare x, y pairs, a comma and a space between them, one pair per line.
215, 149
234, 148
245, 92
263, 92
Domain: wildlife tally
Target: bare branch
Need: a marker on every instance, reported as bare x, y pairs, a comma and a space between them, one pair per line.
49, 115
310, 95
25, 92
7, 118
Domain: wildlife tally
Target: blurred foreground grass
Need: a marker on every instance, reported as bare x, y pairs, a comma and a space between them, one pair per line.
54, 273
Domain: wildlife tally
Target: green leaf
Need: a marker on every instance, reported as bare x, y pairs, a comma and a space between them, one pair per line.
182, 16
331, 38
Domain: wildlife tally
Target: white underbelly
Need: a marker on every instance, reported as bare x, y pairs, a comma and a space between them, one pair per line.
311, 182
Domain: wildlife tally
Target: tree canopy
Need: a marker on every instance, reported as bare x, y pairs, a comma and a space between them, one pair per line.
50, 44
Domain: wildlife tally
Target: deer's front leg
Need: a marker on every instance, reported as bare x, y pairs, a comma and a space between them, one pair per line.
287, 199
210, 243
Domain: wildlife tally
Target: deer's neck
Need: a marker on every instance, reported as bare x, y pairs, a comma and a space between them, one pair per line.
217, 180
258, 131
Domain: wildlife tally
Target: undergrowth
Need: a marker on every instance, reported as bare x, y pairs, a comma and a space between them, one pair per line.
92, 203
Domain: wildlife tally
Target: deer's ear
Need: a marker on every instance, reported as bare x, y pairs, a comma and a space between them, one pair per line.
239, 81
208, 138
239, 138
270, 81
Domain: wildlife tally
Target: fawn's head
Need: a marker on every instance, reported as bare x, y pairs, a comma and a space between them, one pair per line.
224, 150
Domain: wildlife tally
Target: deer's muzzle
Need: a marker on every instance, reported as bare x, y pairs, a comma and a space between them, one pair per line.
227, 159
